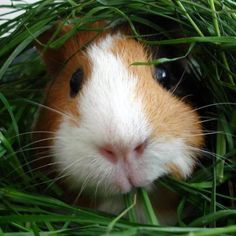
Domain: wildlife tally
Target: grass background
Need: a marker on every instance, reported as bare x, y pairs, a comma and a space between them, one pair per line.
208, 25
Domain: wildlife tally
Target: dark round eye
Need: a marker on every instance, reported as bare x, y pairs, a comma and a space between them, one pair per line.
76, 82
161, 74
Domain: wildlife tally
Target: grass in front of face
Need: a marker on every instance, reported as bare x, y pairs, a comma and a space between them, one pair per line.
207, 25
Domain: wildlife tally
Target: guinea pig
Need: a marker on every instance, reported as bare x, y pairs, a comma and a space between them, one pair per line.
108, 126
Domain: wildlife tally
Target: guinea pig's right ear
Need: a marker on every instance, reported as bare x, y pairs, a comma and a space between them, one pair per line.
54, 57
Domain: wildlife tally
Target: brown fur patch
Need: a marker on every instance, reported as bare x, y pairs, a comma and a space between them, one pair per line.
174, 170
131, 51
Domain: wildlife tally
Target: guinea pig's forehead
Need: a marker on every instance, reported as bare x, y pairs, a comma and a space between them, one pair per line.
126, 49
129, 50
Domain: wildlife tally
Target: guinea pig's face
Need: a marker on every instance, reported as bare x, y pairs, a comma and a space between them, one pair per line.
117, 127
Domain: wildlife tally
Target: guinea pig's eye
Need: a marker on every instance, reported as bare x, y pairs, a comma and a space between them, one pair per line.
161, 75
76, 82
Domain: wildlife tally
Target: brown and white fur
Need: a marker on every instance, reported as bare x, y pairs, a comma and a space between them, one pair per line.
123, 129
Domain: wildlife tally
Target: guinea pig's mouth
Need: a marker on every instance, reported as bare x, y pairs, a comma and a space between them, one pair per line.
127, 184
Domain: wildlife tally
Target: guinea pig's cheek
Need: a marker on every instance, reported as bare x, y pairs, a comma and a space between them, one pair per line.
171, 156
80, 164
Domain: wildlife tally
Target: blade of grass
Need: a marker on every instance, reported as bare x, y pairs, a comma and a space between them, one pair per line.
217, 29
148, 207
189, 17
128, 199
122, 214
19, 49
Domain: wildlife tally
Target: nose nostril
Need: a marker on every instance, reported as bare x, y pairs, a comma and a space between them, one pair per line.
139, 149
108, 153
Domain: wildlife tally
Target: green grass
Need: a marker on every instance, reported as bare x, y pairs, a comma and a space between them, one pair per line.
209, 29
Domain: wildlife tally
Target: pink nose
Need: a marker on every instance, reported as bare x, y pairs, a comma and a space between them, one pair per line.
113, 153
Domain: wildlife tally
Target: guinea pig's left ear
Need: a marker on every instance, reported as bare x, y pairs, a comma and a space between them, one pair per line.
54, 53
54, 57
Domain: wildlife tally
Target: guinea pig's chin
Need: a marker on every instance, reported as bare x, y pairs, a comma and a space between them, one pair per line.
126, 185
